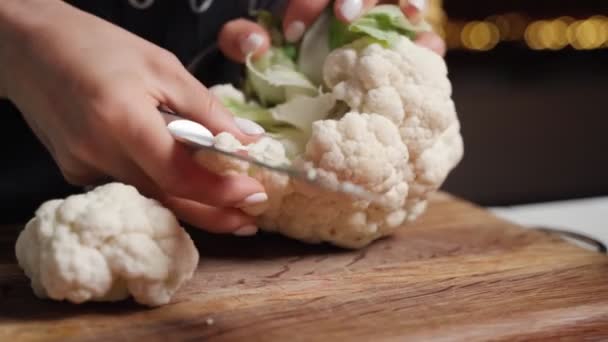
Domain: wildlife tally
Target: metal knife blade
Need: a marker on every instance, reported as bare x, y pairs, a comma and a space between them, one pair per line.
198, 136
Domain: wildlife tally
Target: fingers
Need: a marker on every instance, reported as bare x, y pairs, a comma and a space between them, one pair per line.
349, 10
212, 219
432, 41
299, 15
146, 140
240, 37
413, 9
183, 93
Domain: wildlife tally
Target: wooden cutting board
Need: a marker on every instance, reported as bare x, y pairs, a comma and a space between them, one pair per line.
457, 274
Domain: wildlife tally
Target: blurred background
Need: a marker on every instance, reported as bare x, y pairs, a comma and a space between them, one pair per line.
530, 86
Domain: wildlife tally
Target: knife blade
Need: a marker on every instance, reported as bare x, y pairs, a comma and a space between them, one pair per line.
198, 136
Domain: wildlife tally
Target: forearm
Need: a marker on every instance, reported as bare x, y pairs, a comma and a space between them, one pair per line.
18, 16
20, 20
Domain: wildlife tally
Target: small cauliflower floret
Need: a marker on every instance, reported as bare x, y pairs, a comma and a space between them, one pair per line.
105, 245
384, 100
277, 185
221, 164
365, 149
435, 163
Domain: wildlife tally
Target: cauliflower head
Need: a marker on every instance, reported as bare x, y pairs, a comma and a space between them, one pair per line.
106, 245
392, 128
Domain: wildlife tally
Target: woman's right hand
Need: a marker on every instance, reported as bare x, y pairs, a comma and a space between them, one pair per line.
90, 92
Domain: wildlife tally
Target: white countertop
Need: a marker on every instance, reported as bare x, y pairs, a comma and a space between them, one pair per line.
584, 216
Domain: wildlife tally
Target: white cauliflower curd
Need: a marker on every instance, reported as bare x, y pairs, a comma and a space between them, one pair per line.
383, 119
105, 245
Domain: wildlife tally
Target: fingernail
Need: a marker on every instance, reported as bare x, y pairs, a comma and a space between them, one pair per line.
251, 43
248, 127
294, 31
351, 9
247, 230
257, 198
418, 4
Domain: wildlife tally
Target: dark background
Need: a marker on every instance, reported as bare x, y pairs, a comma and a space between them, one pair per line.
534, 122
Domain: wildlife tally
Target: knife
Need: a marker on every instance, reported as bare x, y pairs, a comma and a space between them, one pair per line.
197, 136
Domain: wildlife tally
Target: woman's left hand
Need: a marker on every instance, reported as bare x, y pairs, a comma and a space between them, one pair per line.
241, 36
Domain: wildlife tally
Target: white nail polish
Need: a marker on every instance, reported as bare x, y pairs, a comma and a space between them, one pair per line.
419, 4
251, 43
257, 198
248, 127
246, 230
294, 31
351, 9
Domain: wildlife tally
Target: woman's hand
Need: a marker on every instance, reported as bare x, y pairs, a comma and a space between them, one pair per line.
90, 91
240, 37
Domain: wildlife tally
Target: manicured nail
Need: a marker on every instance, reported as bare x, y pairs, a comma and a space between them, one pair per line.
251, 43
248, 127
351, 9
294, 31
257, 198
418, 4
247, 230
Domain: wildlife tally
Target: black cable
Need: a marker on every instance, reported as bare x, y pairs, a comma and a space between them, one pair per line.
600, 246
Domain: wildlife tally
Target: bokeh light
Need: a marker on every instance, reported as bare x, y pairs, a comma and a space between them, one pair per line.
480, 35
542, 34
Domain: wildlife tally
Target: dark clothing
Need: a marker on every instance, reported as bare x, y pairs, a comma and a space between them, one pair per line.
29, 175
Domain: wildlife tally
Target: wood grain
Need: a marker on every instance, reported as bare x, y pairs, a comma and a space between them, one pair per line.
458, 274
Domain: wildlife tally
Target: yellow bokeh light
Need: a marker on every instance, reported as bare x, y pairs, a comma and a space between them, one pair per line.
465, 34
566, 19
552, 34
480, 35
598, 23
599, 17
532, 37
572, 36
560, 29
588, 34
544, 35
604, 28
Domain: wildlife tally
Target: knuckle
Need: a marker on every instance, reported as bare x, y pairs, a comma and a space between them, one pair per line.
164, 58
228, 192
114, 103
209, 105
103, 101
111, 111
